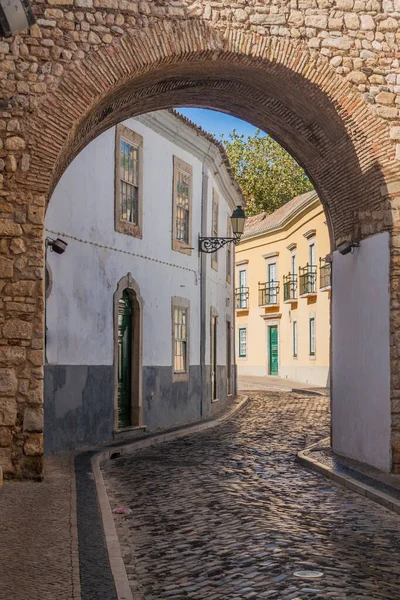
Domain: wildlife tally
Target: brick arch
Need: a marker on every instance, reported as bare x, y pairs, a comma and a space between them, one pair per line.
316, 114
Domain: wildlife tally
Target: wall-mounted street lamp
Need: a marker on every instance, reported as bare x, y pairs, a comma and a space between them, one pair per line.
212, 244
57, 245
15, 15
346, 247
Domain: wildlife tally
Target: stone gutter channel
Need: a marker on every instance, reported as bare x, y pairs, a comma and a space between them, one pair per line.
101, 567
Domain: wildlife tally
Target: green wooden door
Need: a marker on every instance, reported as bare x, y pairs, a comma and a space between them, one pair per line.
124, 360
273, 350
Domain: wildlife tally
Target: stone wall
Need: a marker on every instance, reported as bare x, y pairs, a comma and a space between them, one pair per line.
322, 76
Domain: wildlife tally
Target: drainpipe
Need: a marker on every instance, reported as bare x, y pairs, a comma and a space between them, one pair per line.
203, 289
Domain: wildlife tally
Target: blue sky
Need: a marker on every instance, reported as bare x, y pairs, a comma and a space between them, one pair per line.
216, 122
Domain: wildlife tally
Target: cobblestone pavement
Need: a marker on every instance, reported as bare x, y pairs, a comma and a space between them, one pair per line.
228, 514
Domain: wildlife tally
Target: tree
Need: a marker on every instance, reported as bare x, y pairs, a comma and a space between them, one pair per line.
268, 175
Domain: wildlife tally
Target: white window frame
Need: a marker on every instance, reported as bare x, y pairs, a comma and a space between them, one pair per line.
240, 329
295, 338
183, 304
180, 166
312, 336
132, 138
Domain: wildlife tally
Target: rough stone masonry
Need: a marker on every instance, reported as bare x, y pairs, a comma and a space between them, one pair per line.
322, 76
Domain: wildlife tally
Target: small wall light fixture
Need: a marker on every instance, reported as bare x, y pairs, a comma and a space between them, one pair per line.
15, 15
57, 245
346, 247
212, 244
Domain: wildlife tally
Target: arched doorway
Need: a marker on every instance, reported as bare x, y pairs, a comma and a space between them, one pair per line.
291, 92
127, 355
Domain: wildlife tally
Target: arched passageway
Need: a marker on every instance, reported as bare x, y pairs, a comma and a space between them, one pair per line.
276, 84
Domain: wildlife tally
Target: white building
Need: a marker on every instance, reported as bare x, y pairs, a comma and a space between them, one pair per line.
139, 324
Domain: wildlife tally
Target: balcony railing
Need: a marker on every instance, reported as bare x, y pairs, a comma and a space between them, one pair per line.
242, 297
324, 274
289, 287
268, 293
308, 280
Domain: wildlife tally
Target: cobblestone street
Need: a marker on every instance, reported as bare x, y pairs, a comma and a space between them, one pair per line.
228, 514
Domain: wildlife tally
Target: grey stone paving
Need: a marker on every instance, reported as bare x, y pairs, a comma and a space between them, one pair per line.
228, 514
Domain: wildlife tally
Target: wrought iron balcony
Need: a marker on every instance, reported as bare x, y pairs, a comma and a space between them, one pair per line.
268, 293
242, 297
289, 287
324, 274
308, 280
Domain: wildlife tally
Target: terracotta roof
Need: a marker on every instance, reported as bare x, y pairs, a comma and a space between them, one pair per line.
264, 222
217, 143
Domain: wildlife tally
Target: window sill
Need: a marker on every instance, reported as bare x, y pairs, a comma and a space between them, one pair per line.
128, 229
179, 377
214, 400
181, 247
311, 356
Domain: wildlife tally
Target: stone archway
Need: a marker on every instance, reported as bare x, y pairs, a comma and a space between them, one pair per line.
279, 83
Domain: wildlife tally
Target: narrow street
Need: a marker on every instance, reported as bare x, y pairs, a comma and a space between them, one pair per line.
228, 514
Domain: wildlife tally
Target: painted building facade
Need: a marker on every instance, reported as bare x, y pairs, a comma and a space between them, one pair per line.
283, 292
139, 324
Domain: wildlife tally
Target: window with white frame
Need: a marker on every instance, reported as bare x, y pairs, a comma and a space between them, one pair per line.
242, 342
312, 261
295, 339
312, 335
182, 206
214, 225
180, 338
128, 175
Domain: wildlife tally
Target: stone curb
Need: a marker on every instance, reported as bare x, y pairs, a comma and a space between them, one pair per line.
121, 582
346, 480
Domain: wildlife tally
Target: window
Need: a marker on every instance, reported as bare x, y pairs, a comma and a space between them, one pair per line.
180, 339
182, 206
242, 294
312, 336
313, 265
229, 254
214, 226
293, 263
295, 339
128, 181
272, 288
242, 342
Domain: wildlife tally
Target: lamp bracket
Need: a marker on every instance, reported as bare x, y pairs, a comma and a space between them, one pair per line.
212, 244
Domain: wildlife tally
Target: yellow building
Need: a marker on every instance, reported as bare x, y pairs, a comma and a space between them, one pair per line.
283, 285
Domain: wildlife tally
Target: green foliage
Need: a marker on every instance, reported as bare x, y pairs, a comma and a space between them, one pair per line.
268, 175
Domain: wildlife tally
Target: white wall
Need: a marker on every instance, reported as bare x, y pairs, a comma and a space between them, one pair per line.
80, 307
360, 353
219, 292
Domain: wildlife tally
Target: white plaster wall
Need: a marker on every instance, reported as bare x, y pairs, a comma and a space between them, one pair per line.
315, 375
360, 353
219, 291
80, 307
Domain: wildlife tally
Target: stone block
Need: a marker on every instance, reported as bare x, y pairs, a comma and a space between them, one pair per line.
8, 382
17, 329
367, 23
36, 357
33, 445
11, 355
6, 437
15, 143
316, 21
33, 419
9, 228
6, 268
21, 288
8, 411
5, 461
386, 98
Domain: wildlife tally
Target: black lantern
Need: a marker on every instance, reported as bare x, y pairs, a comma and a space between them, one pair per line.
212, 244
238, 220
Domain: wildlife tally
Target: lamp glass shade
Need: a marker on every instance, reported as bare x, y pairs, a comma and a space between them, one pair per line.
238, 220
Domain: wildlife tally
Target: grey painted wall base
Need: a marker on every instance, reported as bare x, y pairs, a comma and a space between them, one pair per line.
78, 406
79, 402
